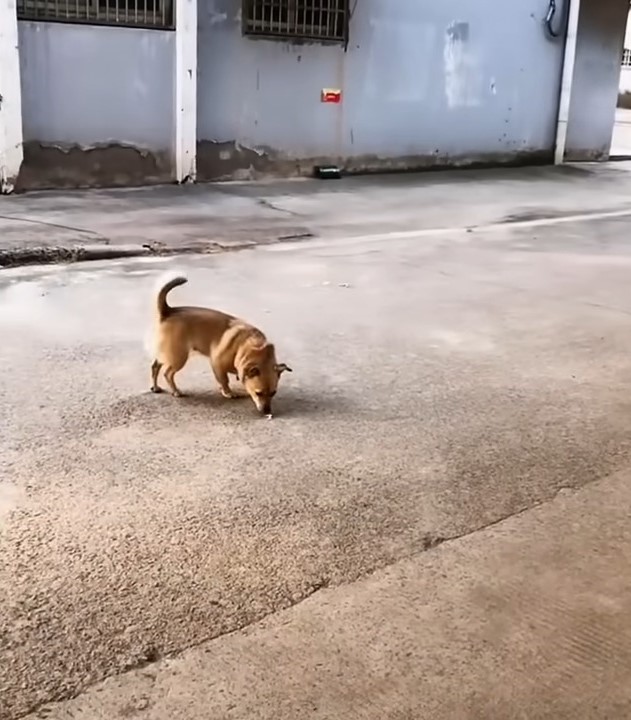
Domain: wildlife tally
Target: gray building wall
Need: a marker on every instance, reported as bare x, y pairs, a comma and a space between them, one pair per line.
97, 104
596, 80
424, 83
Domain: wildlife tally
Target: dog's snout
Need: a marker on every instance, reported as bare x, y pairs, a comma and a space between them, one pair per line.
266, 408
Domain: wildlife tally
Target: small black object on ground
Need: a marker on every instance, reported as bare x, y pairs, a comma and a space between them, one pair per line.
327, 172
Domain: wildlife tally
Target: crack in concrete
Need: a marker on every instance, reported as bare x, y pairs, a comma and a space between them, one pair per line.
18, 218
276, 208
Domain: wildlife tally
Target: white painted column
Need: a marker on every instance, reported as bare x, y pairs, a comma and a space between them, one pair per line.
10, 98
567, 78
185, 90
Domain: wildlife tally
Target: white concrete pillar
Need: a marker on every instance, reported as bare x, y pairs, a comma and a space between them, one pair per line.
567, 78
185, 90
10, 98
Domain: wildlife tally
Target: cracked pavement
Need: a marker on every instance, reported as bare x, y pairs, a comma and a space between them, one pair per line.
43, 227
467, 387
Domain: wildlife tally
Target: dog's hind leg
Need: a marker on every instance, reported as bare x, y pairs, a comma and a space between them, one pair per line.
156, 366
174, 362
169, 376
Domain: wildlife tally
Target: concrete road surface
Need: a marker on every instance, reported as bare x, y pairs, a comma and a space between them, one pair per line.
458, 423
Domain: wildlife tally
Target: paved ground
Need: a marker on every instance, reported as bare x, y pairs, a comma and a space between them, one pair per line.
523, 620
458, 423
209, 218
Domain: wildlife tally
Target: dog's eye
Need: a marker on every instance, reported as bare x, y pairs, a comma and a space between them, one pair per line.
259, 393
272, 393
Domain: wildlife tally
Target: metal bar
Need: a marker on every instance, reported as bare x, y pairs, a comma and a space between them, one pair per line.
292, 17
129, 13
316, 19
340, 20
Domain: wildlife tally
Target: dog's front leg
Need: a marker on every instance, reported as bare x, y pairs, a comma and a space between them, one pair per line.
223, 381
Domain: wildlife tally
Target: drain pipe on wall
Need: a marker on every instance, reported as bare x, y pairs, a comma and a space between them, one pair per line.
567, 75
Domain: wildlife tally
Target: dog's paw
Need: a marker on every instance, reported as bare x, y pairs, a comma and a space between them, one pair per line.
156, 389
228, 394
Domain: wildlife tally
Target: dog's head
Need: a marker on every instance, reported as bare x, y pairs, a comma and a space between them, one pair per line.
260, 376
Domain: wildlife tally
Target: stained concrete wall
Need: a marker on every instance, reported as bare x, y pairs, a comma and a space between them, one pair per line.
97, 104
596, 78
424, 83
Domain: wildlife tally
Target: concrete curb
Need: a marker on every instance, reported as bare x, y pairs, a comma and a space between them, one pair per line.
53, 254
47, 255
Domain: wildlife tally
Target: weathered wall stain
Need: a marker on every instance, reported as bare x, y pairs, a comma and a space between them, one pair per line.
225, 161
463, 74
47, 166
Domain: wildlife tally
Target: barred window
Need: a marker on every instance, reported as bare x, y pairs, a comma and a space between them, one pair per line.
130, 13
325, 20
626, 57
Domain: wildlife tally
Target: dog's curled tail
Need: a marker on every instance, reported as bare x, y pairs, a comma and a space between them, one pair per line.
165, 287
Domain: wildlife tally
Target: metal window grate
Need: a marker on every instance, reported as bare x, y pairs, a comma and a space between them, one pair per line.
626, 57
307, 19
130, 13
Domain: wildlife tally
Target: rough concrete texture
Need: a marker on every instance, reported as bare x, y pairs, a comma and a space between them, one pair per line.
523, 620
443, 380
49, 226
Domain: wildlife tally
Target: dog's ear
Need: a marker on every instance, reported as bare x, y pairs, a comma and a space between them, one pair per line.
252, 371
281, 368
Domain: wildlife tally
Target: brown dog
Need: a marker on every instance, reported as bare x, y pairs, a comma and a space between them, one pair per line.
232, 346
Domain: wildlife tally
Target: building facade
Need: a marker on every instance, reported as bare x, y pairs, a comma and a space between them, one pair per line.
124, 92
625, 73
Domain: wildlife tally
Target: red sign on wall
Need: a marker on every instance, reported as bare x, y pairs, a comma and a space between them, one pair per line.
330, 95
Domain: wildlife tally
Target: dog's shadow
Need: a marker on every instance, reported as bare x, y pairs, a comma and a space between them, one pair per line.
155, 410
289, 404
